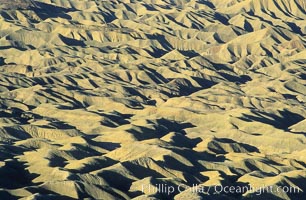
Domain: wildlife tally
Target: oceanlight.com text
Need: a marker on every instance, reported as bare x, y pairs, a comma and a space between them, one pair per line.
219, 189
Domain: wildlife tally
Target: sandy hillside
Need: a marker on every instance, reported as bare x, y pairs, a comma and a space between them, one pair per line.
110, 99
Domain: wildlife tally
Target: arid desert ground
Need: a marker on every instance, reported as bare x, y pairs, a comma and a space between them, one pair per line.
153, 99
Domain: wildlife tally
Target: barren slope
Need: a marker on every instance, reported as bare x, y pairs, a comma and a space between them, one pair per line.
100, 98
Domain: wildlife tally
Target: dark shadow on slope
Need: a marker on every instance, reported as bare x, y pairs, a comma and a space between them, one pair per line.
108, 16
17, 133
113, 120
204, 83
181, 140
248, 27
6, 195
154, 75
302, 76
191, 173
162, 40
158, 129
181, 87
290, 96
141, 171
300, 183
7, 151
14, 175
218, 38
238, 79
57, 161
45, 194
194, 157
218, 149
284, 121
110, 146
149, 7
155, 52
295, 28
147, 100
221, 18
251, 13
189, 53
116, 180
72, 42
207, 3
94, 165
2, 62
82, 151
45, 11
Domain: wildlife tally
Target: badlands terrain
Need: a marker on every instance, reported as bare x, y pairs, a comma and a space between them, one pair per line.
110, 99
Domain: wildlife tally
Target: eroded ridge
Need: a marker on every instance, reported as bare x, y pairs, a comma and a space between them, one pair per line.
119, 99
